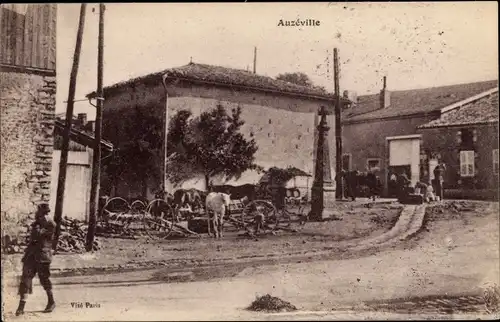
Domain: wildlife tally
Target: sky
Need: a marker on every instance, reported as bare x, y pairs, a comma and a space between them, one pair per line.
415, 45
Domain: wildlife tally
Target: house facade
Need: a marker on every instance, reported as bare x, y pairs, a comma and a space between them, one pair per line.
27, 103
280, 116
466, 139
380, 132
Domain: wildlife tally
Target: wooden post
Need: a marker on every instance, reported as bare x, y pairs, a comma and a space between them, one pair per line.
61, 182
165, 151
338, 127
96, 162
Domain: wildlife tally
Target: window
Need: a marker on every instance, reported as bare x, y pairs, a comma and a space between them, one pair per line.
467, 163
466, 137
495, 161
373, 164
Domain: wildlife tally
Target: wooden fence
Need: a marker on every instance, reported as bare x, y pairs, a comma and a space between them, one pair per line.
28, 35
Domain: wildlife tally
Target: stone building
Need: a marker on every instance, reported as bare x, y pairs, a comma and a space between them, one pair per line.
27, 102
380, 132
466, 138
280, 116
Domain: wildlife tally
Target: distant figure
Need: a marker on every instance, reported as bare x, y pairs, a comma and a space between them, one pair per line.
371, 180
393, 178
403, 183
429, 194
340, 179
439, 171
420, 188
352, 184
258, 218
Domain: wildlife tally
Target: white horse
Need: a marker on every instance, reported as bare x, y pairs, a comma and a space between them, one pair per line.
216, 205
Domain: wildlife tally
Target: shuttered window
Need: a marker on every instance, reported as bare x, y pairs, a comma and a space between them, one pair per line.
467, 163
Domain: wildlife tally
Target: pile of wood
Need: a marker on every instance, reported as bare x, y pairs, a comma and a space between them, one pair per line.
71, 240
111, 230
73, 236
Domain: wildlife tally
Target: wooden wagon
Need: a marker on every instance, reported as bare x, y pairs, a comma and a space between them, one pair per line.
158, 216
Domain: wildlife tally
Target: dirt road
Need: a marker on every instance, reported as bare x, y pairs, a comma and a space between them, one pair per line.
457, 256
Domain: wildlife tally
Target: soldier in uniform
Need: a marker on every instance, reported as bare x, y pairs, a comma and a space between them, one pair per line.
37, 258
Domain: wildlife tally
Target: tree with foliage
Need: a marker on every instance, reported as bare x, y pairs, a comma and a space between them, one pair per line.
295, 78
299, 78
138, 149
210, 144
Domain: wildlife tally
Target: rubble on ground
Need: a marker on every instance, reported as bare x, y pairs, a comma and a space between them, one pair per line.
270, 303
454, 206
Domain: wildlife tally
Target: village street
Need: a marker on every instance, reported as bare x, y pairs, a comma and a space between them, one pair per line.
454, 258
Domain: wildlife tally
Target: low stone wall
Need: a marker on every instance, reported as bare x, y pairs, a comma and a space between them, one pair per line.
27, 121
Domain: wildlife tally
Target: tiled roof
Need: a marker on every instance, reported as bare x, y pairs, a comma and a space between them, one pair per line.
416, 101
226, 76
482, 111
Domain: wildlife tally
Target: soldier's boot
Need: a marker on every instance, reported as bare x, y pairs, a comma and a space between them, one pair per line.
20, 308
51, 305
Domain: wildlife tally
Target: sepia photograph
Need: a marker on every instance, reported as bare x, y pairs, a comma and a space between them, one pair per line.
249, 161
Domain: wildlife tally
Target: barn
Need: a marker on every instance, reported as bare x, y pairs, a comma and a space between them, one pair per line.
280, 116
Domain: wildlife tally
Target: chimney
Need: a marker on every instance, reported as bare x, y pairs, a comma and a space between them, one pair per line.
91, 126
385, 95
82, 119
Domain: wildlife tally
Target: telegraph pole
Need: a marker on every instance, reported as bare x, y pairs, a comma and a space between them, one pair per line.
61, 182
96, 162
255, 60
338, 127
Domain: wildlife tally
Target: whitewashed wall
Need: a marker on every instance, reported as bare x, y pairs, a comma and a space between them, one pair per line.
77, 187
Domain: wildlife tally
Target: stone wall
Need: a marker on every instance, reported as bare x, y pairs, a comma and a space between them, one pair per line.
27, 120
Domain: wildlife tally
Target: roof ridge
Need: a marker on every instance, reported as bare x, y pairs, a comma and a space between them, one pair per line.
272, 83
433, 87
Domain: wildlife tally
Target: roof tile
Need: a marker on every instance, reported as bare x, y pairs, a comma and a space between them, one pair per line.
226, 76
482, 111
415, 101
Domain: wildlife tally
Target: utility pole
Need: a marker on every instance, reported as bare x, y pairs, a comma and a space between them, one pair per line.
255, 60
61, 182
165, 145
338, 127
96, 162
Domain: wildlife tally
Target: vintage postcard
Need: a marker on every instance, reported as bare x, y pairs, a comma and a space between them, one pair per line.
244, 161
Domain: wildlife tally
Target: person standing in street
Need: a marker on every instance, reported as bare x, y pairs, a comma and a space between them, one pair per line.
403, 183
37, 258
439, 179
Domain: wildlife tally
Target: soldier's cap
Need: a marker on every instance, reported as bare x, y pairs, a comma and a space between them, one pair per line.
43, 208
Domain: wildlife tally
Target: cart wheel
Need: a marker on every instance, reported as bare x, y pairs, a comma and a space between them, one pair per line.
159, 217
284, 218
266, 208
138, 206
112, 209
